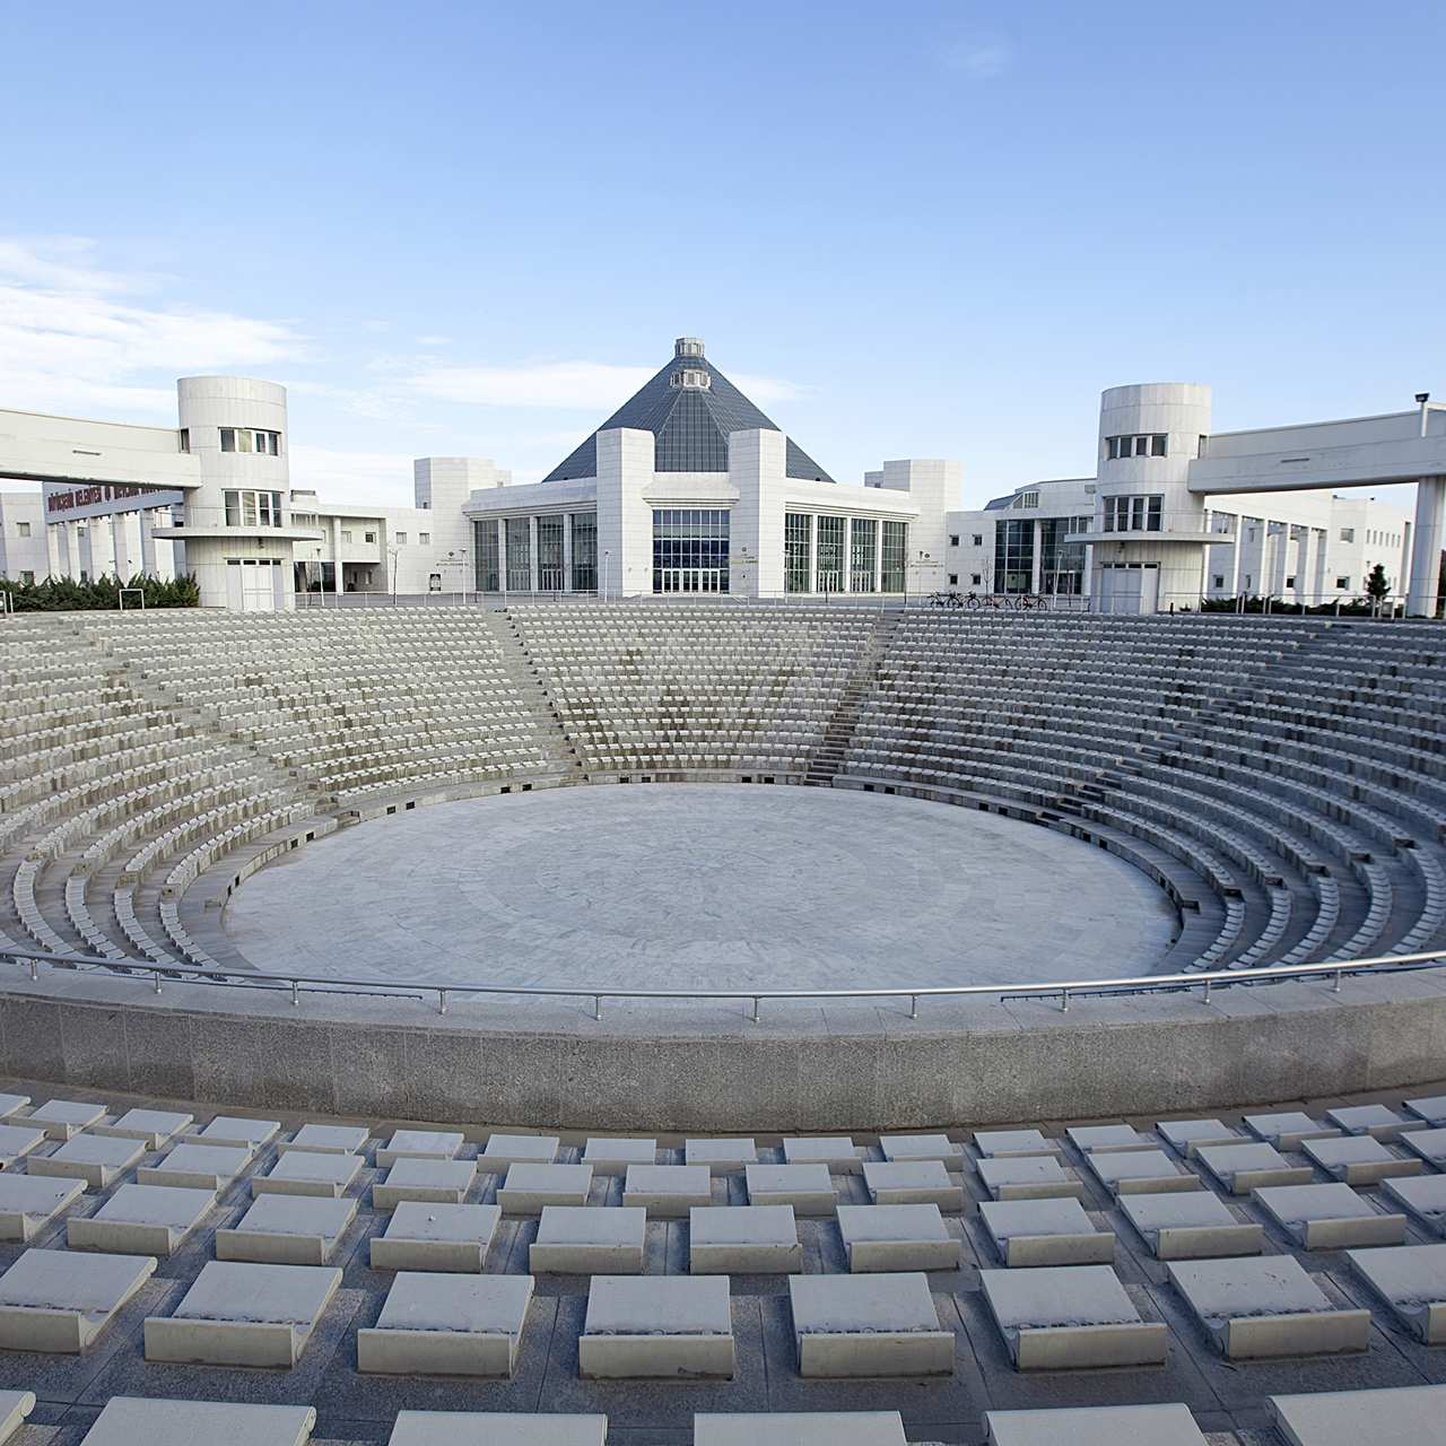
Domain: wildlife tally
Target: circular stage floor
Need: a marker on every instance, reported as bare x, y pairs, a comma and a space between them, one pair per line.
701, 886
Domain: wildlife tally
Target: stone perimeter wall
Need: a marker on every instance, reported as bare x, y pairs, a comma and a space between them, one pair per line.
1026, 1062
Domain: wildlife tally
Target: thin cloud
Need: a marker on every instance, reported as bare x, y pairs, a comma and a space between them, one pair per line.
977, 58
378, 479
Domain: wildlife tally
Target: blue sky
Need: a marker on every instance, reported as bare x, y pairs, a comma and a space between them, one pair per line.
917, 229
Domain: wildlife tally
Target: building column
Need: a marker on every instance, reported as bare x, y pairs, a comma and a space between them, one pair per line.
567, 552
1428, 533
847, 584
501, 525
1036, 567
813, 552
535, 581
54, 537
148, 542
878, 554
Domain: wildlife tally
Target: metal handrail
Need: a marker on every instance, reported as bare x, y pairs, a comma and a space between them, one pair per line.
298, 984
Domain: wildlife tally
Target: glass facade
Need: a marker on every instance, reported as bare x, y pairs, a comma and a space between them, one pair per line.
796, 527
895, 561
1062, 564
550, 575
1013, 556
485, 550
584, 552
519, 554
864, 553
830, 554
690, 549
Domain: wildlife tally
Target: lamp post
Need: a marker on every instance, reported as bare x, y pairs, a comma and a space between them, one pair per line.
392, 553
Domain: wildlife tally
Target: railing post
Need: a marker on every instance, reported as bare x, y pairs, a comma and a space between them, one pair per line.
158, 981
754, 1016
295, 993
35, 969
913, 1006
597, 1006
441, 1001
1207, 991
1336, 982
1063, 1000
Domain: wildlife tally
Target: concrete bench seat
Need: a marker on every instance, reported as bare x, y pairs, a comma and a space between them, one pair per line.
1256, 1307
1329, 1217
432, 1237
287, 1230
433, 1180
1411, 1280
1428, 1145
993, 1144
11, 1104
743, 1240
1400, 1416
496, 1428
787, 1428
912, 1182
577, 1240
1140, 1172
528, 1189
1028, 1177
237, 1130
198, 1167
1242, 1168
54, 1301
674, 1327
899, 1148
17, 1141
897, 1237
128, 1420
1288, 1129
808, 1188
1165, 1425
99, 1162
837, 1152
1186, 1137
1045, 1232
28, 1203
611, 1155
15, 1408
63, 1119
155, 1127
1087, 1138
1191, 1225
882, 1324
141, 1220
318, 1139
1430, 1109
243, 1314
722, 1157
1379, 1121
1360, 1159
447, 1324
419, 1145
1064, 1317
668, 1191
1422, 1197
501, 1152
304, 1172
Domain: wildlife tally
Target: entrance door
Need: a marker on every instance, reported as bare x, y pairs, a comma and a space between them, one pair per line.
690, 579
258, 587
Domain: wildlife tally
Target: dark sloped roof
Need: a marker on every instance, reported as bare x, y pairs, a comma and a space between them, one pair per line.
691, 424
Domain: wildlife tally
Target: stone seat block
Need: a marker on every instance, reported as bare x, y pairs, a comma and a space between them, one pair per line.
199, 1167
578, 1240
17, 1141
440, 1182
1086, 1138
1140, 1172
1329, 1217
1428, 1145
155, 1127
668, 1191
421, 1236
238, 1130
676, 1327
1045, 1232
419, 1145
837, 1152
303, 1172
611, 1155
898, 1148
317, 1139
141, 1220
1243, 1168
722, 1157
1256, 1307
54, 1301
743, 1240
1185, 1137
528, 1189
128, 1420
12, 1104
787, 1428
808, 1188
1379, 1121
496, 1428
1062, 1317
1411, 1280
15, 1407
912, 1182
1192, 1225
1028, 1177
897, 1237
873, 1325
1400, 1415
30, 1202
243, 1314
1430, 1109
1422, 1197
63, 1119
1167, 1425
287, 1230
995, 1143
1360, 1159
1288, 1129
447, 1324
501, 1152
99, 1162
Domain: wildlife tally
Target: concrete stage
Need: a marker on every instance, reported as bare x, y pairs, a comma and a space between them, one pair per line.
702, 886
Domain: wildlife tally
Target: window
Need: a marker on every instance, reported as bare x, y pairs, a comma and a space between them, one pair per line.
1140, 513
244, 439
369, 537
863, 549
400, 538
245, 508
1290, 582
953, 539
27, 578
1348, 534
228, 439
1151, 444
550, 574
424, 539
1027, 499
1013, 557
183, 438
22, 529
1062, 564
1343, 582
690, 549
519, 555
894, 551
1219, 580
796, 529
484, 549
953, 579
828, 564
346, 534
584, 551
978, 539
975, 578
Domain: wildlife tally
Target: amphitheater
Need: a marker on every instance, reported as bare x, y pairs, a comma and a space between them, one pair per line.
1003, 1028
